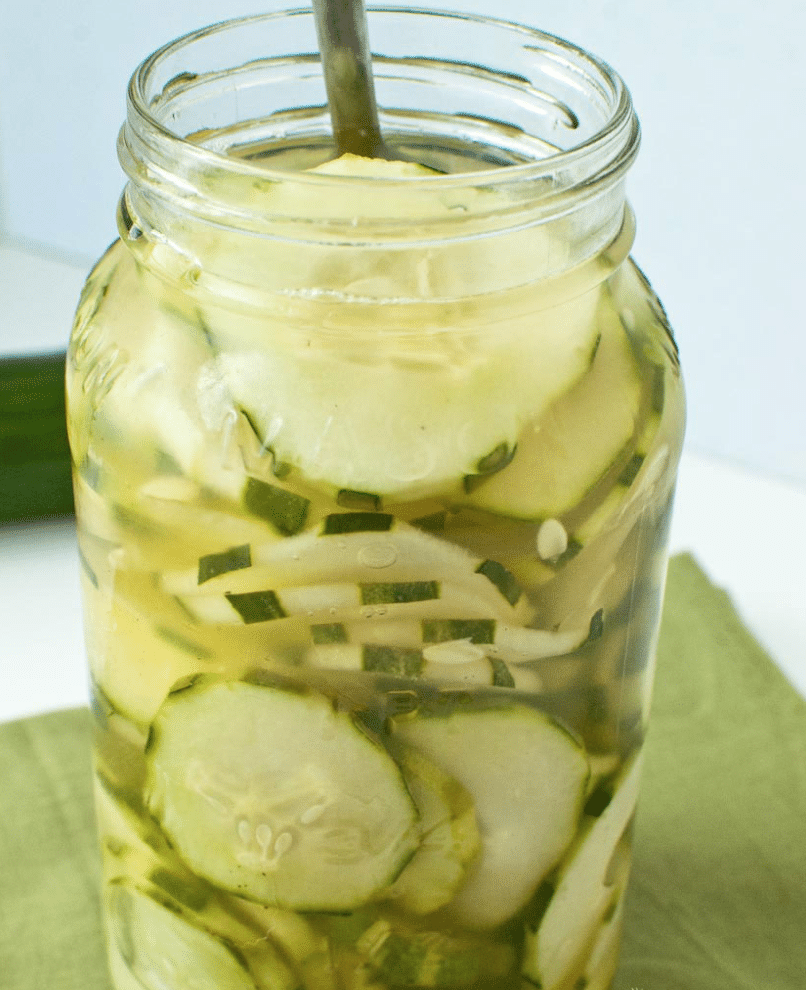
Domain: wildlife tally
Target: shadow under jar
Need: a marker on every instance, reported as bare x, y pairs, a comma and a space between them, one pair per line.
373, 468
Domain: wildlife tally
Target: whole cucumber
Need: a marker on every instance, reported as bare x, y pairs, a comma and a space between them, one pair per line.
35, 479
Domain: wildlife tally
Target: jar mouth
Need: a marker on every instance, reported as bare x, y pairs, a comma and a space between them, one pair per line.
543, 120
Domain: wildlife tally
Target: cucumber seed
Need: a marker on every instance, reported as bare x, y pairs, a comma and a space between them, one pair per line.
312, 814
263, 837
285, 840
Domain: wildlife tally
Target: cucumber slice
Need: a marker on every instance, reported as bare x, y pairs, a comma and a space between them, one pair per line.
603, 960
125, 829
561, 456
397, 427
459, 662
527, 778
401, 956
163, 949
119, 745
354, 973
198, 433
427, 408
591, 579
121, 976
350, 603
172, 914
449, 838
276, 796
154, 531
396, 661
361, 547
299, 940
463, 663
563, 940
133, 847
144, 659
455, 640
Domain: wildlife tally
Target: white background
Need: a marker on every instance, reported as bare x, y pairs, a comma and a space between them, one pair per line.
718, 188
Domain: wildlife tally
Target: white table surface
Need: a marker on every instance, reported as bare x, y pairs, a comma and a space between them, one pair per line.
747, 532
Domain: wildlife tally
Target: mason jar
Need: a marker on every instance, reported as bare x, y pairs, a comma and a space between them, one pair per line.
374, 463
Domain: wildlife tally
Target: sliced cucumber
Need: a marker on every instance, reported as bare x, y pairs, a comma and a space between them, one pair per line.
402, 956
360, 547
457, 640
459, 662
119, 745
359, 166
527, 778
583, 891
449, 837
302, 944
343, 603
144, 659
122, 977
134, 848
154, 531
603, 959
277, 945
589, 580
125, 829
179, 419
157, 642
162, 948
397, 661
276, 796
98, 532
397, 427
354, 973
464, 663
560, 456
426, 408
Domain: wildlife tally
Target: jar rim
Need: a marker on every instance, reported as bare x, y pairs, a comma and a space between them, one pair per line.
615, 143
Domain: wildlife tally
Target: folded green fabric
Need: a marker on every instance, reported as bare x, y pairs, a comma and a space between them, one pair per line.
50, 928
718, 897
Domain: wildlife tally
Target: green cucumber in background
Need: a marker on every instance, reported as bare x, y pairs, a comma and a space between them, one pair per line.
34, 455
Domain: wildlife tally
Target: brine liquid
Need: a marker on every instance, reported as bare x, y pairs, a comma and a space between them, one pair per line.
208, 551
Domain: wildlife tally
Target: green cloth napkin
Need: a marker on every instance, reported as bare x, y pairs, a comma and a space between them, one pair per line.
718, 896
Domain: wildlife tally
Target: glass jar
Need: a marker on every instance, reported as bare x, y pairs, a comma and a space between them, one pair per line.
373, 466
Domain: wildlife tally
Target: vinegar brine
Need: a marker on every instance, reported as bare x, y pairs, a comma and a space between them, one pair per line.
372, 565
